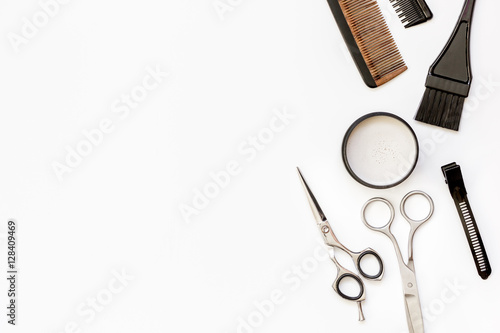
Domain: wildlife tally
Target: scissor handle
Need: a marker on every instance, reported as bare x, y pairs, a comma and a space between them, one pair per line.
403, 210
414, 224
336, 286
358, 258
386, 227
343, 274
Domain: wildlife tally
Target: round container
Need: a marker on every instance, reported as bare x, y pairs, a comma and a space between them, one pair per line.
380, 150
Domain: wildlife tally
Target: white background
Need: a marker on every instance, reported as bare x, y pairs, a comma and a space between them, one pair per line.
118, 210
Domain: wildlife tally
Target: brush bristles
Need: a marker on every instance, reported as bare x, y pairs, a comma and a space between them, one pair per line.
374, 39
409, 12
440, 108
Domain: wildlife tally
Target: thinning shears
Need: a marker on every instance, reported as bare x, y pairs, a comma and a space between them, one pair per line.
408, 278
332, 242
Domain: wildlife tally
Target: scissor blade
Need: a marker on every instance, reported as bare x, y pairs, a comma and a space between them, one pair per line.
316, 209
414, 314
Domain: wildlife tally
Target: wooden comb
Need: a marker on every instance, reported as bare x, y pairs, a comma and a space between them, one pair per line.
369, 40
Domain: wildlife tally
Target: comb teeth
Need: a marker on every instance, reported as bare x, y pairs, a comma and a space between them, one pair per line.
411, 12
475, 239
374, 40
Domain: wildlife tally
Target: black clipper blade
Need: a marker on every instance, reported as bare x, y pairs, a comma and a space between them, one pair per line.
453, 176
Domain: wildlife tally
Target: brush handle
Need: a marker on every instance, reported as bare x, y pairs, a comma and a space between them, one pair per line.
451, 72
467, 11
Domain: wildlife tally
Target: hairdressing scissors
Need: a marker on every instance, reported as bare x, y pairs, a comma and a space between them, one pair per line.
332, 242
410, 290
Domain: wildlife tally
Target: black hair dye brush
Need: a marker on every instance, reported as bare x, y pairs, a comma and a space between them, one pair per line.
449, 79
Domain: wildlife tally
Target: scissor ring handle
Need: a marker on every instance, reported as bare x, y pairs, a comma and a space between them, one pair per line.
363, 214
357, 279
380, 265
413, 193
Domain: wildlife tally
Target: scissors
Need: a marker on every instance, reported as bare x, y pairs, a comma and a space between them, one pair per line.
410, 290
332, 242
